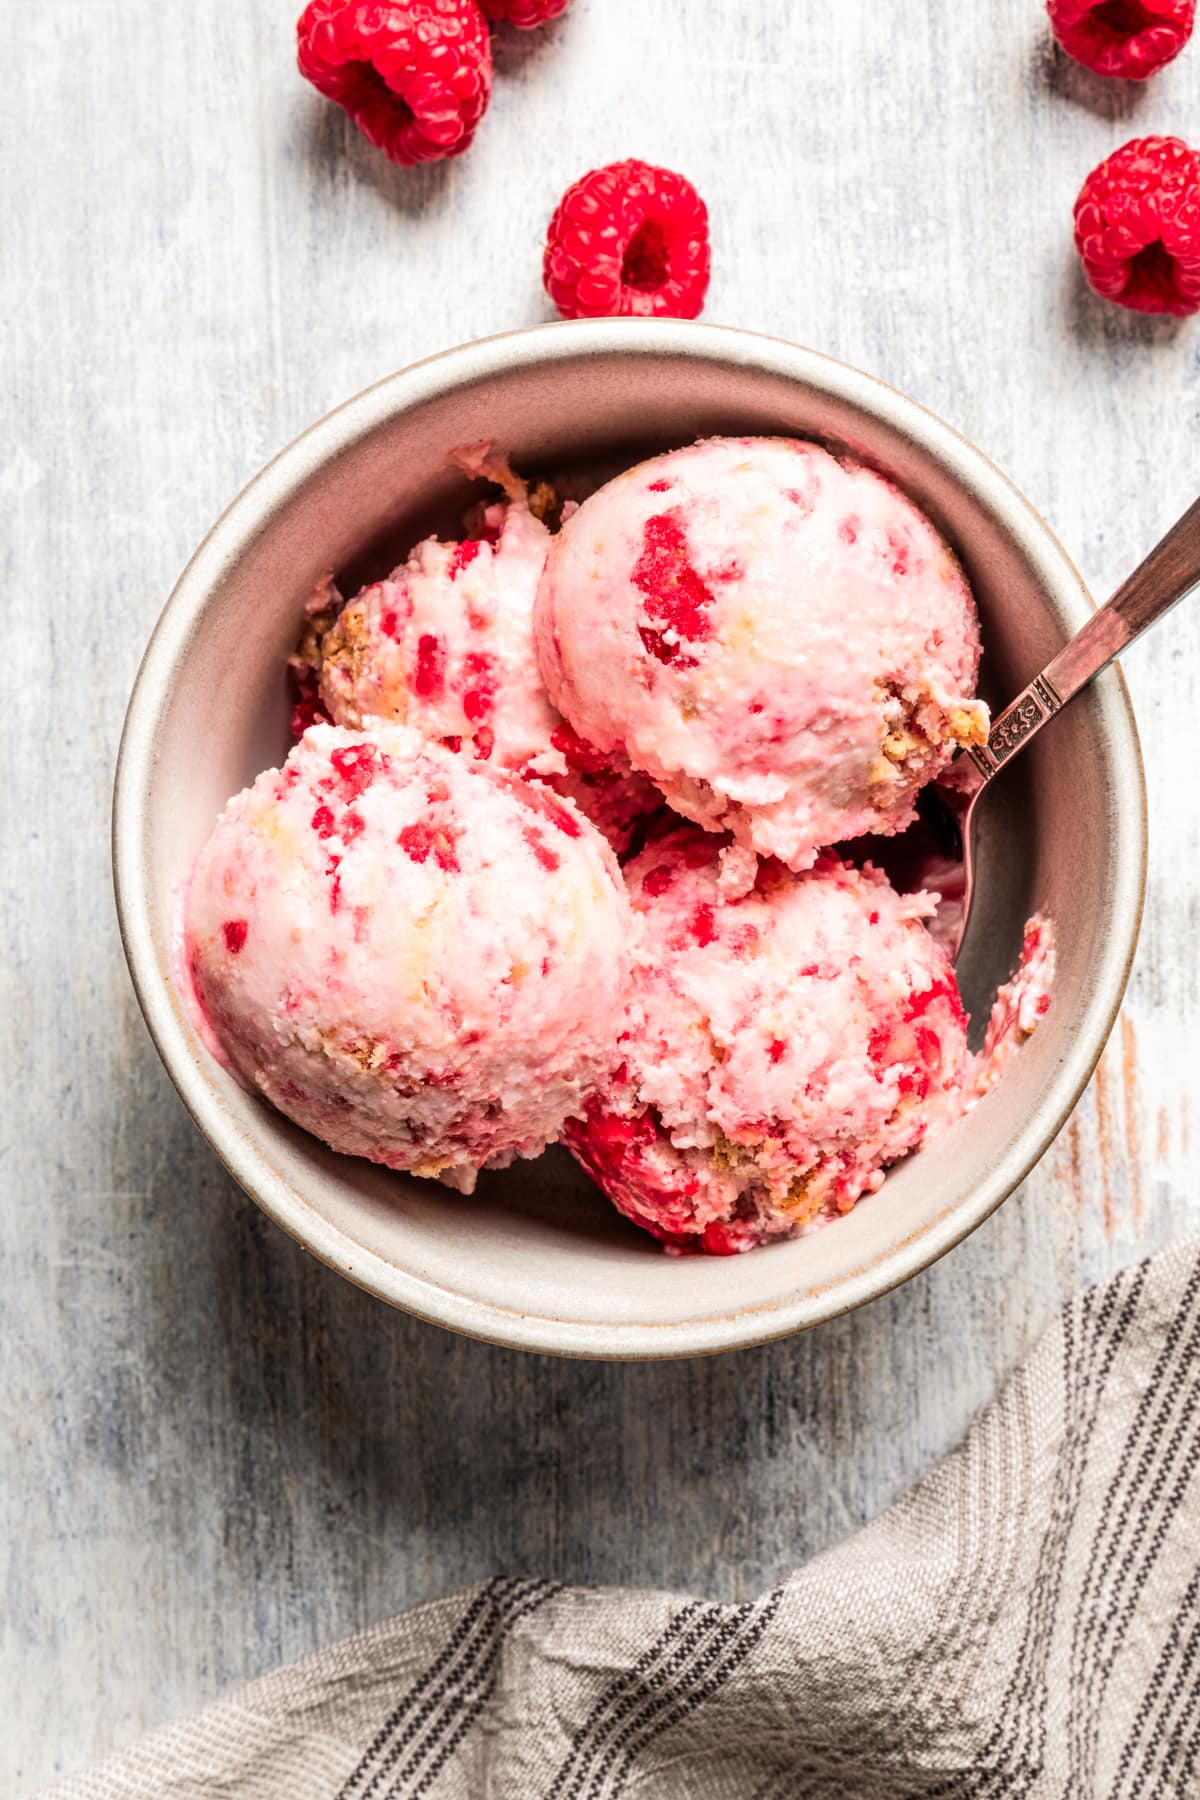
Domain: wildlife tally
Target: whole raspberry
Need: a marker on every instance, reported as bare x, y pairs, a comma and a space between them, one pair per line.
524, 14
415, 77
1133, 38
628, 239
1137, 227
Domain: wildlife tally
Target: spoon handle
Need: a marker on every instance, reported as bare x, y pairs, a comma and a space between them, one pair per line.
1167, 575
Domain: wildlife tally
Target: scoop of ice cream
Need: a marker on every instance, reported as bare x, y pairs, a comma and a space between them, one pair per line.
445, 645
778, 637
778, 1050
420, 959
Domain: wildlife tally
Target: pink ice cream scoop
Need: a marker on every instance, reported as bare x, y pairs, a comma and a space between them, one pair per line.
445, 645
778, 1050
778, 637
420, 959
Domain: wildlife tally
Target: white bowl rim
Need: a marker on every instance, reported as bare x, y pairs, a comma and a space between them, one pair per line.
136, 757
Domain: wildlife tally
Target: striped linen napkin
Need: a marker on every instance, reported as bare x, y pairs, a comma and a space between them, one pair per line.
1025, 1622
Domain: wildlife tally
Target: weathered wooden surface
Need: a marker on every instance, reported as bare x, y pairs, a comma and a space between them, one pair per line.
216, 1454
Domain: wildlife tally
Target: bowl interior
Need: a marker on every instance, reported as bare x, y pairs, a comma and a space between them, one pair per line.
536, 1256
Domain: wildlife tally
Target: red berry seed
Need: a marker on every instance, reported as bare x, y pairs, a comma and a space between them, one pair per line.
628, 239
1137, 227
415, 76
1129, 38
524, 14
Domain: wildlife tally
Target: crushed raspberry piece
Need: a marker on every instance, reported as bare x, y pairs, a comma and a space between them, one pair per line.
579, 753
429, 676
776, 1050
676, 598
479, 671
1128, 38
913, 1084
483, 743
335, 882
464, 555
1137, 227
352, 824
628, 239
658, 487
703, 925
322, 822
356, 765
415, 76
235, 935
541, 800
548, 858
389, 623
421, 839
718, 1239
657, 881
524, 14
307, 705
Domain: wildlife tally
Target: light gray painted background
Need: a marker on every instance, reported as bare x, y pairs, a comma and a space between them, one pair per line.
217, 1455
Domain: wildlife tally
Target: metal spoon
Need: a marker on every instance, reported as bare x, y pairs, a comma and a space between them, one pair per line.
1168, 574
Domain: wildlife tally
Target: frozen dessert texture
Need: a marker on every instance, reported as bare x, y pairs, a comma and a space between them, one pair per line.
778, 1050
778, 637
1021, 1004
445, 645
415, 940
420, 959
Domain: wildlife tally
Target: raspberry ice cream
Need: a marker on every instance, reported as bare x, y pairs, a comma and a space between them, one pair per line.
418, 958
778, 1051
779, 638
1020, 1006
445, 645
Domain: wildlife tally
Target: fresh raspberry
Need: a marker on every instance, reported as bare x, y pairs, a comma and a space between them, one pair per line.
1137, 227
628, 239
524, 14
1132, 38
415, 77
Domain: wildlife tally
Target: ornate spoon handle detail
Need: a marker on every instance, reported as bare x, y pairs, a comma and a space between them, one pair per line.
1167, 575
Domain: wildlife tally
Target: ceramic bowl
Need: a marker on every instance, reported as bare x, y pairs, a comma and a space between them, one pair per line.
536, 1258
